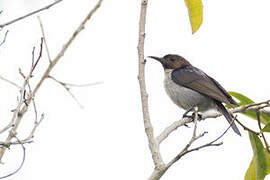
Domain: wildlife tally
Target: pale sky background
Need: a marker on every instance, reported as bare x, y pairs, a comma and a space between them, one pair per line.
106, 139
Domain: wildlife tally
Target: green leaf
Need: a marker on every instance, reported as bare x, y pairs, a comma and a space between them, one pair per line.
251, 172
265, 119
195, 11
259, 166
266, 128
243, 100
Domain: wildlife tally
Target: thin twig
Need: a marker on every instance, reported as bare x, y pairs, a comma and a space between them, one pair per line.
4, 40
17, 170
186, 151
45, 40
22, 105
245, 127
36, 122
30, 14
158, 173
33, 56
32, 133
68, 86
66, 46
34, 104
254, 107
15, 143
260, 127
10, 82
39, 57
20, 111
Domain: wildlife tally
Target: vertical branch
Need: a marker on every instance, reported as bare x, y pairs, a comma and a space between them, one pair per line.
153, 145
258, 113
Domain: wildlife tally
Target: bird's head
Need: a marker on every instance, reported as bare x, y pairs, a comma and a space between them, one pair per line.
171, 61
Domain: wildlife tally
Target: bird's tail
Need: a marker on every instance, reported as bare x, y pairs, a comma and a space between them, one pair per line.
227, 115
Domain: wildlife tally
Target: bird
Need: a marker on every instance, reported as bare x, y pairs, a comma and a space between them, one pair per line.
189, 87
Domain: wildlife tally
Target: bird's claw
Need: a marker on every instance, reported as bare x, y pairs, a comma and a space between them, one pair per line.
192, 116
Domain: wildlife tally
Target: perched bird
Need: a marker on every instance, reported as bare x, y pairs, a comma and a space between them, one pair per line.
188, 86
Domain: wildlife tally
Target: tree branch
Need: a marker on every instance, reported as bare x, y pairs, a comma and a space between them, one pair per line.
10, 82
174, 126
22, 107
153, 145
260, 127
168, 130
17, 170
245, 127
68, 86
158, 173
4, 40
30, 14
45, 40
244, 108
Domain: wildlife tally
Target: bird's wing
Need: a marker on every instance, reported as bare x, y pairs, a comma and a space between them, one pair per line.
193, 78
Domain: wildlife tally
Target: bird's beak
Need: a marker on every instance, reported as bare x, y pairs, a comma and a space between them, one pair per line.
156, 58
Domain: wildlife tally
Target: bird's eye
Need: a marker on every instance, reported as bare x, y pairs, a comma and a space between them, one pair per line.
172, 59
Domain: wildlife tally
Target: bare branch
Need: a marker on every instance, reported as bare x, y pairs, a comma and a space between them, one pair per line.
11, 124
36, 124
17, 170
244, 108
45, 40
21, 109
10, 82
34, 104
159, 172
186, 151
168, 130
254, 107
34, 64
30, 14
68, 90
15, 143
68, 86
22, 105
4, 40
153, 145
245, 127
65, 47
193, 139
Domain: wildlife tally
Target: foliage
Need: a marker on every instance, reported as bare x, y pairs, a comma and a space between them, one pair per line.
195, 11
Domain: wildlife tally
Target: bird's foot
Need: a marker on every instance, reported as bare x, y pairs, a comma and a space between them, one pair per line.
193, 116
185, 115
199, 116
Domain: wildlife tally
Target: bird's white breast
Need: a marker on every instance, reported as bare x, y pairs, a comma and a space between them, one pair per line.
184, 97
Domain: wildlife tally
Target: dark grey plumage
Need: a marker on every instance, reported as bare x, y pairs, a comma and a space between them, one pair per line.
189, 86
